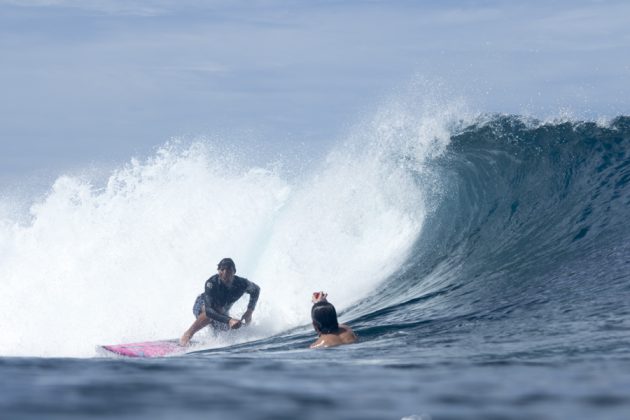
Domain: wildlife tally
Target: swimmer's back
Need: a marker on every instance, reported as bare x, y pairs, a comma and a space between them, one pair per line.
344, 335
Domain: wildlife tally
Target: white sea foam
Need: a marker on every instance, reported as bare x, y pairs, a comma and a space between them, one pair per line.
123, 260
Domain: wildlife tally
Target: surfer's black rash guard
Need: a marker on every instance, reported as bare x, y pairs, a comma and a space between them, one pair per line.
219, 298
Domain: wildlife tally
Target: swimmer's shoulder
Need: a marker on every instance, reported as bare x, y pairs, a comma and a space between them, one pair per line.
344, 336
347, 336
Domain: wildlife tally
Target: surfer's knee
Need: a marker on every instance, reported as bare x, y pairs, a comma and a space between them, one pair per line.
199, 306
202, 315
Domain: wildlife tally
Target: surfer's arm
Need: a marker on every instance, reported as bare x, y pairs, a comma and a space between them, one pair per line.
211, 313
254, 291
208, 300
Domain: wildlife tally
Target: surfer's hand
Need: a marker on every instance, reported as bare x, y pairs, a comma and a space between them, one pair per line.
234, 324
247, 316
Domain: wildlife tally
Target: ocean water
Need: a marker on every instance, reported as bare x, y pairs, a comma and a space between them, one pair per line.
484, 262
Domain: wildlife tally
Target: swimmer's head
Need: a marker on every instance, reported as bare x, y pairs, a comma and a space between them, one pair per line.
324, 317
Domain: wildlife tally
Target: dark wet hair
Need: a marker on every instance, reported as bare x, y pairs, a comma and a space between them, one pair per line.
225, 263
324, 316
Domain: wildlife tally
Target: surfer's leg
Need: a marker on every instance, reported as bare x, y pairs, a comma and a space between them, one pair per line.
201, 321
199, 310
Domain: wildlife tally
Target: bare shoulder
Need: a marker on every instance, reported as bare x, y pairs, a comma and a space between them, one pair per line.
318, 344
346, 334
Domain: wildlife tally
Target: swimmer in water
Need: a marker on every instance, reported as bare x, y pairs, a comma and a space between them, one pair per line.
324, 317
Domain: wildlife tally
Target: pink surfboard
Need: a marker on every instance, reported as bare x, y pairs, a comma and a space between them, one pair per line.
159, 348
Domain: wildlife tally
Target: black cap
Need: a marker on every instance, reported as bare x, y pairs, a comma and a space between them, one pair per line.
226, 262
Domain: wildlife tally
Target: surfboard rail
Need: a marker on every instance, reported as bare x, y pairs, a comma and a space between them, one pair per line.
145, 349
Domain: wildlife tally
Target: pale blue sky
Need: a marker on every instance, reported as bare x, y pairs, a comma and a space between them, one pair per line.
101, 81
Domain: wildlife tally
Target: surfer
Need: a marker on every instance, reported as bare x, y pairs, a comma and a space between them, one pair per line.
213, 305
324, 317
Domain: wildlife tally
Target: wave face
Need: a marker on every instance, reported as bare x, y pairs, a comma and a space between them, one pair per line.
527, 253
